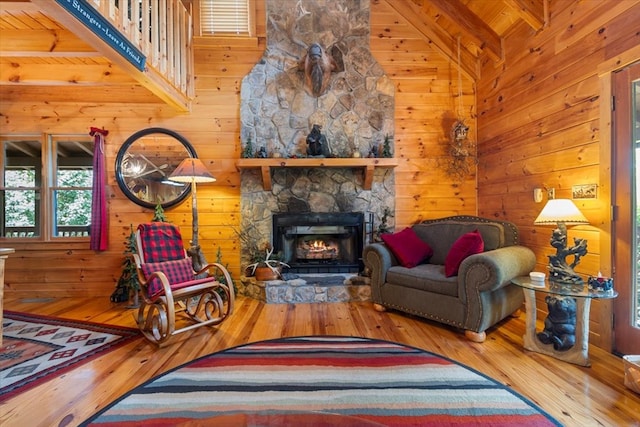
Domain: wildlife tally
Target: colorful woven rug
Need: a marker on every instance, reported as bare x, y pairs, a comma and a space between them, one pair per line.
315, 381
38, 348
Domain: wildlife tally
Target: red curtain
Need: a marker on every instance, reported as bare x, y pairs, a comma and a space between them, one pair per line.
98, 231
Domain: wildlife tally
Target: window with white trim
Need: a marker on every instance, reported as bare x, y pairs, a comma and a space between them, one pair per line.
225, 17
45, 186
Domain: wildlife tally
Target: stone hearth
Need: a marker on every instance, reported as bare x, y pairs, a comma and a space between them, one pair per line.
308, 288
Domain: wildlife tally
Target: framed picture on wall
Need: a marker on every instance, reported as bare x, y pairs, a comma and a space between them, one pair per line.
585, 191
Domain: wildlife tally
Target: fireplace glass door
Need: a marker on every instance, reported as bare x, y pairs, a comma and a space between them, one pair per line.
320, 242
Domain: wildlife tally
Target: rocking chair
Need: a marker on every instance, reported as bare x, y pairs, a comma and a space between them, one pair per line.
169, 285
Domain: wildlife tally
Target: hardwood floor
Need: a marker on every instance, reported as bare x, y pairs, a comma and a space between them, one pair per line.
575, 395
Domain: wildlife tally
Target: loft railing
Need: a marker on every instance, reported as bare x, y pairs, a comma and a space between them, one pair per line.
161, 30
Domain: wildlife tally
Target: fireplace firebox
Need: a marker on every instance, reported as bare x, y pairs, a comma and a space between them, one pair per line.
319, 242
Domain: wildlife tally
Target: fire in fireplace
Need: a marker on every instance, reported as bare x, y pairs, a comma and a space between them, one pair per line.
320, 242
323, 248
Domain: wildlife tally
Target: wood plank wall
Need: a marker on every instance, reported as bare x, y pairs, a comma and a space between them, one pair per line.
427, 104
539, 126
426, 101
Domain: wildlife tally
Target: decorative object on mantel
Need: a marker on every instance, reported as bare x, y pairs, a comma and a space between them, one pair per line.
563, 212
262, 153
386, 147
247, 152
317, 145
193, 171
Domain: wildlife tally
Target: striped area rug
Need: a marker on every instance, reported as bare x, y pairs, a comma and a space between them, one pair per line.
322, 381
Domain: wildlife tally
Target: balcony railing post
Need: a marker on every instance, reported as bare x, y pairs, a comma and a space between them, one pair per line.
162, 30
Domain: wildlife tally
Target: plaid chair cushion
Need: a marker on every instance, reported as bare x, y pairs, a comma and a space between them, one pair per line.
161, 241
177, 272
183, 285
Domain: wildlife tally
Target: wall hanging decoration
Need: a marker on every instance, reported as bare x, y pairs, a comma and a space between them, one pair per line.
462, 151
144, 163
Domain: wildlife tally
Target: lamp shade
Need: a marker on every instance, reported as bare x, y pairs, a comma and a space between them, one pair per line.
191, 170
560, 210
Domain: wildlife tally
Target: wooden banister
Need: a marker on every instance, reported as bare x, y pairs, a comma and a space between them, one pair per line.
160, 29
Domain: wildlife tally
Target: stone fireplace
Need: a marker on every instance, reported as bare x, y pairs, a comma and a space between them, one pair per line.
355, 113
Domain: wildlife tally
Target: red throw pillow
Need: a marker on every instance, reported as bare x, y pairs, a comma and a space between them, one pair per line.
466, 245
407, 247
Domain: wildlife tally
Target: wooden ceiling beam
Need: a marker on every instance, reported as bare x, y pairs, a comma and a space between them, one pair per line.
533, 12
440, 40
13, 72
472, 26
149, 78
44, 43
17, 6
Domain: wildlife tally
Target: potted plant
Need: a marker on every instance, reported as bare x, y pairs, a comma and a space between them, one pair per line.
266, 265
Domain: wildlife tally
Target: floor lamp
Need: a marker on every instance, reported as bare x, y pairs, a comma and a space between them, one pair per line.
192, 171
561, 212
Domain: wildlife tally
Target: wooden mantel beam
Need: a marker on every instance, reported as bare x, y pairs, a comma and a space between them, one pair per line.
472, 26
367, 164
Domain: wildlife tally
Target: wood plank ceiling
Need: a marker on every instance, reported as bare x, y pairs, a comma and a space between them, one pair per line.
41, 60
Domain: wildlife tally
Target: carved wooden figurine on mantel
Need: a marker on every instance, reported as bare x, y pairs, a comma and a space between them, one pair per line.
317, 143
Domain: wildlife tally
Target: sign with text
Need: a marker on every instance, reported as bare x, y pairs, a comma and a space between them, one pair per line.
105, 30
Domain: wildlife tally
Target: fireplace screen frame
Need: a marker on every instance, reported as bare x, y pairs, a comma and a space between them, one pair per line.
284, 237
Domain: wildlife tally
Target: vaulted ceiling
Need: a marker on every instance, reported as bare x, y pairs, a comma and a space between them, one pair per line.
41, 59
477, 26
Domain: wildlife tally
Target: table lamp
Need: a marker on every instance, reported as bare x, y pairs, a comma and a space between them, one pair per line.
192, 171
561, 212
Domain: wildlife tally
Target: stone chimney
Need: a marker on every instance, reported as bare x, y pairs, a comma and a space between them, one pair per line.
355, 112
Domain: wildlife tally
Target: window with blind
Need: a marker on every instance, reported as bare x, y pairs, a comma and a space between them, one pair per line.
224, 17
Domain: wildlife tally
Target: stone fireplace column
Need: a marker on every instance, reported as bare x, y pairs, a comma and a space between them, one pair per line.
354, 110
